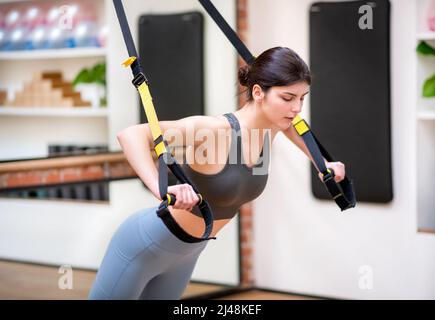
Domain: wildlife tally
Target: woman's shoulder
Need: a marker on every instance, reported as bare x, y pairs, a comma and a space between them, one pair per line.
210, 122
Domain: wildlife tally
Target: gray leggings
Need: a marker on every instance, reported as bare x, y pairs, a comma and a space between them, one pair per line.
144, 260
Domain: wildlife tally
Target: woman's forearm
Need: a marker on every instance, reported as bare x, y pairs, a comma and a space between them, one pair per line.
299, 142
135, 142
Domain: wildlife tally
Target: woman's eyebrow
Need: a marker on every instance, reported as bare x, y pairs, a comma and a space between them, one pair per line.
296, 94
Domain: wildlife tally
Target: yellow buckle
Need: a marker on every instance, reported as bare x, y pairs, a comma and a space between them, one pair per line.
129, 61
160, 148
300, 125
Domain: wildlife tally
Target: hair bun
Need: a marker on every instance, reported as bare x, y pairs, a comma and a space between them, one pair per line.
244, 75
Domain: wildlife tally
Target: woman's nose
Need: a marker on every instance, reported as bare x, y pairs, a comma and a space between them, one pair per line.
297, 107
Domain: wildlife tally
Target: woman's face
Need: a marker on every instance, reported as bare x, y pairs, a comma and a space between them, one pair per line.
282, 103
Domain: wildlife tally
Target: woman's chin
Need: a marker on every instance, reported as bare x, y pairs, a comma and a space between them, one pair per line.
285, 124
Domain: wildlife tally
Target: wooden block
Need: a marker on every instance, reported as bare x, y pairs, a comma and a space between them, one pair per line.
41, 86
57, 93
68, 91
46, 101
59, 83
55, 101
37, 87
3, 96
19, 95
74, 95
27, 101
52, 75
47, 75
67, 102
80, 103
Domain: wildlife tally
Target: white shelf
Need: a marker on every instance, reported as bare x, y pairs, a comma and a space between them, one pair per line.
426, 115
426, 36
52, 54
53, 112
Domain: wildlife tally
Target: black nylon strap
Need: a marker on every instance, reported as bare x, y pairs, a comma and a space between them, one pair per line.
163, 177
343, 192
125, 28
228, 31
175, 228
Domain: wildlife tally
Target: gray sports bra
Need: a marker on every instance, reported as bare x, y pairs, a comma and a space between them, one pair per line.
236, 183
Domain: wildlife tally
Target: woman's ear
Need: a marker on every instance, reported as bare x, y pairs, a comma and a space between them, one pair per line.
257, 93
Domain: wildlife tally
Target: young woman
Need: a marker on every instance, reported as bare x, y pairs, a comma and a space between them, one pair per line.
144, 259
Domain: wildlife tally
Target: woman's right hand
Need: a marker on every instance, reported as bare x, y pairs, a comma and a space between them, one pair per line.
186, 196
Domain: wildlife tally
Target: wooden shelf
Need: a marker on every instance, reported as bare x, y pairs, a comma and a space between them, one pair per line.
61, 162
52, 54
53, 112
422, 230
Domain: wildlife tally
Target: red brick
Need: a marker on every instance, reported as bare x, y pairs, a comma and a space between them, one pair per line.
246, 251
24, 179
92, 173
52, 177
122, 169
70, 174
4, 180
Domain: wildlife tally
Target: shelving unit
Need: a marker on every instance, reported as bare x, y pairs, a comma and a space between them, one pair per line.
425, 118
53, 125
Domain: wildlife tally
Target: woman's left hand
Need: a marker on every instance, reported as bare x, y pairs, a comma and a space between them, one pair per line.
339, 170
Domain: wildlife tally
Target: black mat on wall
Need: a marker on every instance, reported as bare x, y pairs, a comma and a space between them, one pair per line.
171, 52
350, 94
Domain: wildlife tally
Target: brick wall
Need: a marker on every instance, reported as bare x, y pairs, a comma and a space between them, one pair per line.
246, 210
64, 170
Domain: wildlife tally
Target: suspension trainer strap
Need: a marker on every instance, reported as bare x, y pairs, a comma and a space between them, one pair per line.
165, 158
343, 192
228, 31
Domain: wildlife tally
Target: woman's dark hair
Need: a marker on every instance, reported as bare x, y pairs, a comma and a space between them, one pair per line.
277, 66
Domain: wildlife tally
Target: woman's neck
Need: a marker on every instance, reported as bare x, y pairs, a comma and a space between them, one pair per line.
251, 116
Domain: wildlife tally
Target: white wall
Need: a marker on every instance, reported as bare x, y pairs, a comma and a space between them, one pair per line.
307, 246
65, 232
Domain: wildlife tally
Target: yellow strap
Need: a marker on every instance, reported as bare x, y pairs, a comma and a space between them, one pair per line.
150, 112
300, 125
160, 148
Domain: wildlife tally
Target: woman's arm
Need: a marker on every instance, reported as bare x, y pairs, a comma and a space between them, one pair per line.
294, 137
137, 143
338, 167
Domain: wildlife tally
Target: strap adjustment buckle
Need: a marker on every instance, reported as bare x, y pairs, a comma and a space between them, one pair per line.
328, 175
139, 79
